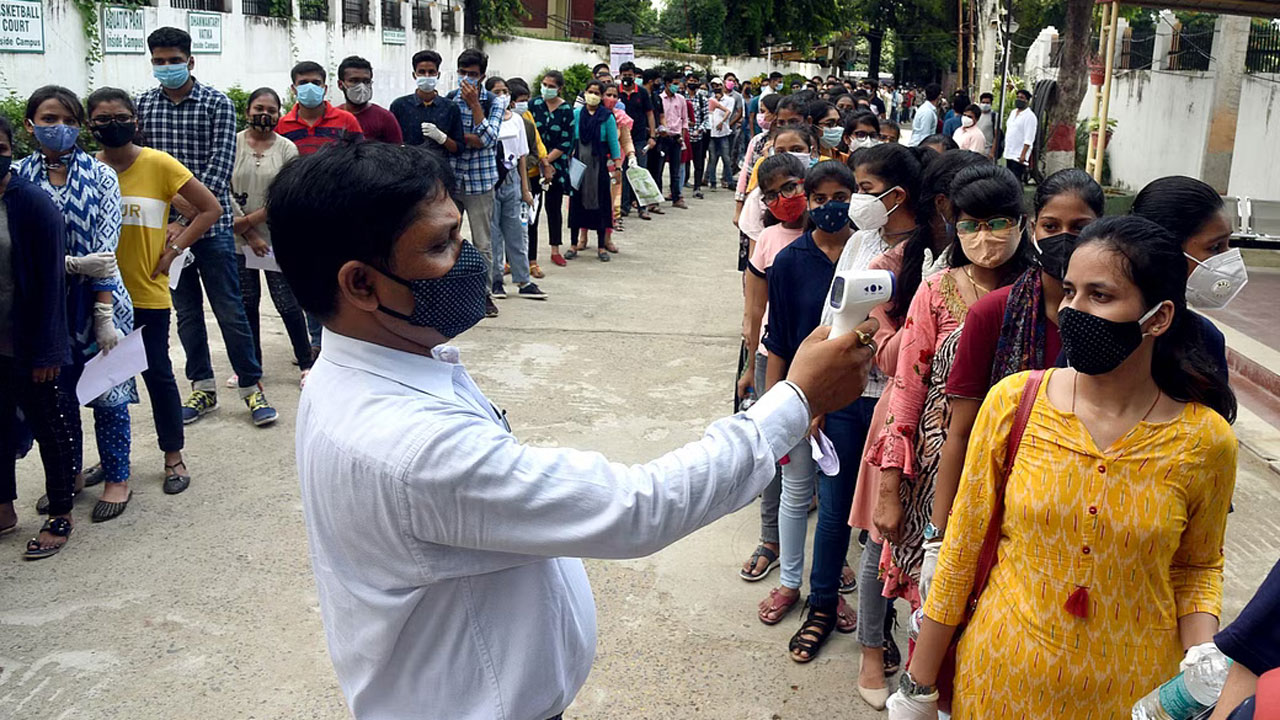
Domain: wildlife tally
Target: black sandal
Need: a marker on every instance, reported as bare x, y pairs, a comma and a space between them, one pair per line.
175, 482
104, 511
812, 635
58, 527
846, 588
761, 552
603, 255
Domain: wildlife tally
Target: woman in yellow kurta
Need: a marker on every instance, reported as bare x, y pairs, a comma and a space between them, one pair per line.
1110, 560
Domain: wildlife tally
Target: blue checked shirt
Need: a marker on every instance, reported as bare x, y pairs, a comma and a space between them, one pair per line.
476, 169
200, 132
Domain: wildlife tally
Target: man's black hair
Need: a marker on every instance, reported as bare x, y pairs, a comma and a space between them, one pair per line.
775, 76
430, 56
651, 74
596, 70
307, 67
170, 37
349, 201
672, 77
932, 91
1025, 92
628, 65
986, 96
473, 58
353, 62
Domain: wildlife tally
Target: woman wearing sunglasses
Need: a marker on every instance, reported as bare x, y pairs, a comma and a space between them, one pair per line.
986, 254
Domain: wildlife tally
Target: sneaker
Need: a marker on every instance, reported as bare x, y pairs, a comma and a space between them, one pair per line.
234, 380
198, 403
260, 409
533, 292
499, 291
490, 310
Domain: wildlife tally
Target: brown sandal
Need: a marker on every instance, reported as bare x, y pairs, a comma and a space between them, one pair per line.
776, 603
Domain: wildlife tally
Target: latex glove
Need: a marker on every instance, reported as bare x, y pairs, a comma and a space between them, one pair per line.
1196, 653
431, 132
104, 328
931, 551
96, 265
630, 162
901, 707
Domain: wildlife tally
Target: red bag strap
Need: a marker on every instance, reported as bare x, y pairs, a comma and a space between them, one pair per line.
987, 557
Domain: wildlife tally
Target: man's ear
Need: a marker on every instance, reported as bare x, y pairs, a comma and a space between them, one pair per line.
355, 283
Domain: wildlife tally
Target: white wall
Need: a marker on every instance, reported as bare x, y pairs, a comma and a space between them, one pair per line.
1162, 121
1255, 171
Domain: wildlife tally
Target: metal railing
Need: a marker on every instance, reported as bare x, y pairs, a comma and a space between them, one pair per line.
314, 10
422, 15
448, 20
267, 8
207, 5
1263, 55
391, 16
355, 12
1136, 52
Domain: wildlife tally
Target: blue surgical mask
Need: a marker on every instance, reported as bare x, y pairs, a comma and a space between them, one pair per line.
171, 76
832, 136
464, 80
550, 93
522, 107
310, 95
453, 303
58, 138
832, 217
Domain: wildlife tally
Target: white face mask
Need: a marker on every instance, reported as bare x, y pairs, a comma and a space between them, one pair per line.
427, 83
1215, 282
359, 93
867, 142
966, 121
867, 212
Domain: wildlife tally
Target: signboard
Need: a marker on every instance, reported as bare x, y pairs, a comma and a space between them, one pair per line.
21, 26
206, 31
392, 36
123, 30
619, 54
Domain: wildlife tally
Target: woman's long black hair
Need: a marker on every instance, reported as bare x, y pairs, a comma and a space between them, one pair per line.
1179, 204
111, 94
1072, 181
938, 172
1181, 365
986, 191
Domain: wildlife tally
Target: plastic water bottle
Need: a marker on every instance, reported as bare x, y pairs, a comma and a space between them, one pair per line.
524, 215
1188, 693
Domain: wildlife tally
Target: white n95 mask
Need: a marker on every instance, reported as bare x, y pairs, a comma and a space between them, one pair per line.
1216, 281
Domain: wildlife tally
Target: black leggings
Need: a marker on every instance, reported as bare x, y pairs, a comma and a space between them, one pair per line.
700, 161
48, 414
553, 207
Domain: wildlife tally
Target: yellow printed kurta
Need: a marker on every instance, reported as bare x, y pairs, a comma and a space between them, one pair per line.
1140, 527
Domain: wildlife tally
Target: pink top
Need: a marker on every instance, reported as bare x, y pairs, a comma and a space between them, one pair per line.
624, 120
675, 113
771, 242
936, 311
970, 138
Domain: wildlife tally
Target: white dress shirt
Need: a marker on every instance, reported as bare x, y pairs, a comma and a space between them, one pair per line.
441, 546
924, 124
1020, 132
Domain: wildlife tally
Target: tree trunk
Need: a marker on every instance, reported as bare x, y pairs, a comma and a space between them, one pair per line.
875, 44
1073, 82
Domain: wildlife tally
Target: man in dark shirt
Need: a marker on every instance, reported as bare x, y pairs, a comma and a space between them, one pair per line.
654, 158
640, 110
426, 118
355, 80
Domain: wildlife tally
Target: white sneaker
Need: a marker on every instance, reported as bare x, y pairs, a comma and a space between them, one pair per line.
233, 381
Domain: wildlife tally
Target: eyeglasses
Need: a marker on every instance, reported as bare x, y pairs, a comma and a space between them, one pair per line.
862, 135
108, 119
789, 189
1001, 227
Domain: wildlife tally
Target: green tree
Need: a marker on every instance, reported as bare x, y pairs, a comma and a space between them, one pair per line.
640, 14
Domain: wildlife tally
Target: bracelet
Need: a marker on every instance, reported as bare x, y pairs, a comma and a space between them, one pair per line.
800, 393
174, 247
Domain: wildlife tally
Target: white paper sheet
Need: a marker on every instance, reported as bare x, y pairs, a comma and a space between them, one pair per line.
107, 370
266, 262
175, 270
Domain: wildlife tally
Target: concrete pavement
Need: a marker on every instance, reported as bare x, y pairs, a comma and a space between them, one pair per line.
202, 605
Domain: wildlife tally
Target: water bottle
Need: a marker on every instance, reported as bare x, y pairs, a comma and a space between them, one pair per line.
1188, 693
524, 215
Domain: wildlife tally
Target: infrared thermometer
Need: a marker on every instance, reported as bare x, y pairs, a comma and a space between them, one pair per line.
854, 293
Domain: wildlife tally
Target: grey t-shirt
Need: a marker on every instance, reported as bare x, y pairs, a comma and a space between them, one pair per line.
6, 285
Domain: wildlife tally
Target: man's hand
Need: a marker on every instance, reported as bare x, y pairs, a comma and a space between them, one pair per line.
174, 231
832, 373
472, 141
162, 264
95, 265
241, 225
747, 382
527, 198
470, 94
433, 133
650, 144
45, 374
818, 423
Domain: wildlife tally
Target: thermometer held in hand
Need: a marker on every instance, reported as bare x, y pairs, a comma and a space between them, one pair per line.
853, 295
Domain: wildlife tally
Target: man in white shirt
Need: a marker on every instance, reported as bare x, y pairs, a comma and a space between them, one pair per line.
926, 119
1020, 136
443, 548
771, 85
986, 123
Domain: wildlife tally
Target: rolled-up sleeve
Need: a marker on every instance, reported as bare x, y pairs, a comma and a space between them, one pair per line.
1196, 572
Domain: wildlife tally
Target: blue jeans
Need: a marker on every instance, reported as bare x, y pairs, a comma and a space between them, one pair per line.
720, 150
847, 429
505, 231
798, 477
295, 323
215, 265
772, 494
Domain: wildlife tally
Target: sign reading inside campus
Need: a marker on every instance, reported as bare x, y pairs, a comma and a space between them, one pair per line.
206, 31
21, 26
123, 30
393, 36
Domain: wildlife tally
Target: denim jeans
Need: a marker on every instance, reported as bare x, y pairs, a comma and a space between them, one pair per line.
162, 388
506, 232
720, 150
772, 494
314, 330
479, 211
873, 606
798, 477
215, 265
295, 323
847, 429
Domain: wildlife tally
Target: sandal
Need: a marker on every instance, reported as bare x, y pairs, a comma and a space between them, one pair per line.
771, 559
8, 530
58, 527
846, 618
851, 585
812, 635
175, 482
603, 255
93, 476
536, 271
104, 511
778, 605
608, 245
571, 253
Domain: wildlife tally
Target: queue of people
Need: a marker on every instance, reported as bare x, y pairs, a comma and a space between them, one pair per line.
1047, 429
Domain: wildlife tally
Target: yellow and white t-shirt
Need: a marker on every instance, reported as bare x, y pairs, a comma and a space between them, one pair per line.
146, 188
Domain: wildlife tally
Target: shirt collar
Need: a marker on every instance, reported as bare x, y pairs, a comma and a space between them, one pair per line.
431, 375
196, 93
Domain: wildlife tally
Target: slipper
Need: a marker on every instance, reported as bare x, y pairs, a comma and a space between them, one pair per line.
174, 482
104, 511
94, 476
570, 254
8, 530
59, 527
761, 552
846, 588
604, 256
778, 603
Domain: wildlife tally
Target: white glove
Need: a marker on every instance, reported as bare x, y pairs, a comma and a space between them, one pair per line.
629, 163
1196, 653
431, 132
104, 328
901, 707
931, 551
96, 265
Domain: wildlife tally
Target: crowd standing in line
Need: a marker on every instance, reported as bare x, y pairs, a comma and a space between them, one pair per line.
1037, 379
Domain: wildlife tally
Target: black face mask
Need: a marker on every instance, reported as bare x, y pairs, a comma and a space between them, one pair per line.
1053, 252
1096, 345
115, 134
263, 122
5, 162
1020, 104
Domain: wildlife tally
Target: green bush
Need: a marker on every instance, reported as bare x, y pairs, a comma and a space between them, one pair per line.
785, 88
14, 108
576, 77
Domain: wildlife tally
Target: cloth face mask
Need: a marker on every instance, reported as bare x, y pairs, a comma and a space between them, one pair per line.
452, 303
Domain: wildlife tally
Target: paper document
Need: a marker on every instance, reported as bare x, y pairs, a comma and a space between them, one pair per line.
175, 270
107, 370
266, 262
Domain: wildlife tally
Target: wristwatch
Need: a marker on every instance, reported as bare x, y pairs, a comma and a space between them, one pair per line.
931, 532
912, 689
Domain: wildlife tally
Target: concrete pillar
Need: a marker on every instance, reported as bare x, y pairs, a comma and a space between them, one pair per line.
1163, 41
988, 17
1230, 41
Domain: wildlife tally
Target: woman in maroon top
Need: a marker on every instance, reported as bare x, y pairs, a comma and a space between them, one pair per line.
1012, 329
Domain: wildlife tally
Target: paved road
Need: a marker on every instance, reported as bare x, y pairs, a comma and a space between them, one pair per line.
202, 605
